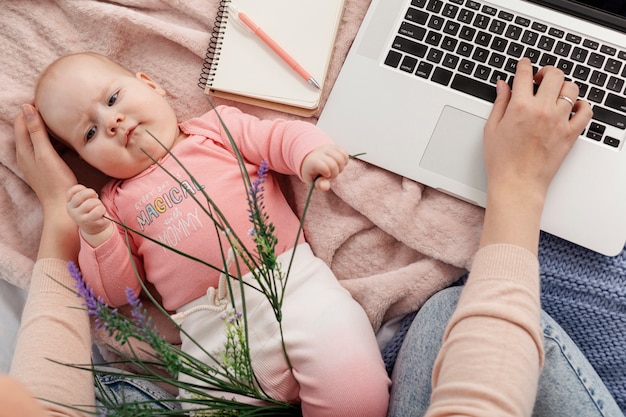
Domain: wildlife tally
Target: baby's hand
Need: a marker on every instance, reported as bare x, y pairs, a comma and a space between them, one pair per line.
86, 209
325, 162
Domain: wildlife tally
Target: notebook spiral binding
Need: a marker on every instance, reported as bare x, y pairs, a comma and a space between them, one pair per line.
215, 46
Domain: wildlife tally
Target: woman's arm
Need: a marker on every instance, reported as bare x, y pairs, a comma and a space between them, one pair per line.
492, 353
54, 327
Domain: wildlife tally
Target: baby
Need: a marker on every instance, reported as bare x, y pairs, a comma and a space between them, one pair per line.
104, 112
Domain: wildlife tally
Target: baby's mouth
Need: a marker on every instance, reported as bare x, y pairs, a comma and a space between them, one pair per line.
129, 135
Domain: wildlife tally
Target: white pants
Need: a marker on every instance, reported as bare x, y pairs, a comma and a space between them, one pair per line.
337, 366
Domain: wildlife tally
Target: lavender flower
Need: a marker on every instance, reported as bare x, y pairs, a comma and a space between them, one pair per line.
95, 305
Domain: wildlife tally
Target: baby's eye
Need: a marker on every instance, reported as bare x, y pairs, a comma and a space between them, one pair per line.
90, 134
113, 99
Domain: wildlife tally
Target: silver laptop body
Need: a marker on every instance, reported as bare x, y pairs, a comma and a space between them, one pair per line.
418, 84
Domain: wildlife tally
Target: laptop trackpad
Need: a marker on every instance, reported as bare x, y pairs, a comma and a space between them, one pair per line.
455, 149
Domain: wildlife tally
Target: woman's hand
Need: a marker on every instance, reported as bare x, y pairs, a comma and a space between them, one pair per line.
527, 137
50, 177
44, 170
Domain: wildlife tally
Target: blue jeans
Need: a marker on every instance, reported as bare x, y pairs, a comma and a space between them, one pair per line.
568, 385
128, 389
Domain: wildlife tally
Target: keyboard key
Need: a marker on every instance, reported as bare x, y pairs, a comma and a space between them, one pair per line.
596, 95
505, 16
579, 54
424, 69
539, 27
522, 21
412, 31
511, 65
496, 60
434, 6
570, 37
464, 49
450, 61
416, 16
499, 44
483, 38
441, 76
450, 11
466, 16
451, 27
532, 54
588, 43
408, 64
491, 11
433, 38
594, 135
611, 141
409, 46
515, 49
418, 3
612, 65
435, 22
616, 102
615, 84
480, 54
497, 26
565, 66
513, 32
562, 48
530, 37
546, 43
434, 55
497, 76
596, 60
581, 72
467, 33
473, 87
557, 33
547, 59
482, 72
466, 66
609, 50
473, 4
448, 43
393, 58
598, 78
597, 127
481, 21
609, 117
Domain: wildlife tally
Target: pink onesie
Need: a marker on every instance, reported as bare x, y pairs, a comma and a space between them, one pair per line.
338, 341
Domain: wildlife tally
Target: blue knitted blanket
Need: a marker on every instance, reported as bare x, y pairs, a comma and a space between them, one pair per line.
585, 293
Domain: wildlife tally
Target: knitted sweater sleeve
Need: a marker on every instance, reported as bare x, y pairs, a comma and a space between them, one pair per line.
492, 351
54, 328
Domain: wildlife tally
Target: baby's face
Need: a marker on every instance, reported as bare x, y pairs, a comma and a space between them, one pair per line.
105, 113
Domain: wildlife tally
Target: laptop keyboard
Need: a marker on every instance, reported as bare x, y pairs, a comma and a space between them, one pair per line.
468, 46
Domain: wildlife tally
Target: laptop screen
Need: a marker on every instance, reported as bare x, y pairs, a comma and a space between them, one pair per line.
611, 13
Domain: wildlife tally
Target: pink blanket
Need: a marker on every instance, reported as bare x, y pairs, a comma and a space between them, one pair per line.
391, 242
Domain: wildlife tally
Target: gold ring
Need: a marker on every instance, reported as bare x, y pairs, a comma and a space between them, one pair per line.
569, 100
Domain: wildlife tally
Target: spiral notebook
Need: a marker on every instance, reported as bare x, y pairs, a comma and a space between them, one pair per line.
240, 66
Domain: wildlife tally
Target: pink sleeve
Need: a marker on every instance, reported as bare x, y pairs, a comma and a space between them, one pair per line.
492, 352
283, 144
54, 327
108, 269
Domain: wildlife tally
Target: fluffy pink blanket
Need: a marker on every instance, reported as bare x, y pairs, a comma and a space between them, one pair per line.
391, 242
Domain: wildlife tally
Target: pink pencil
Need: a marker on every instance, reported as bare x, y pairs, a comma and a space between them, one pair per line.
261, 34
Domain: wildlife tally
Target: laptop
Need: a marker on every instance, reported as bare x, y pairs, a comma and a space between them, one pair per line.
419, 82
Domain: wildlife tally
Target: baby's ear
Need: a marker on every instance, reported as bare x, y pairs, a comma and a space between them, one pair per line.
151, 83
